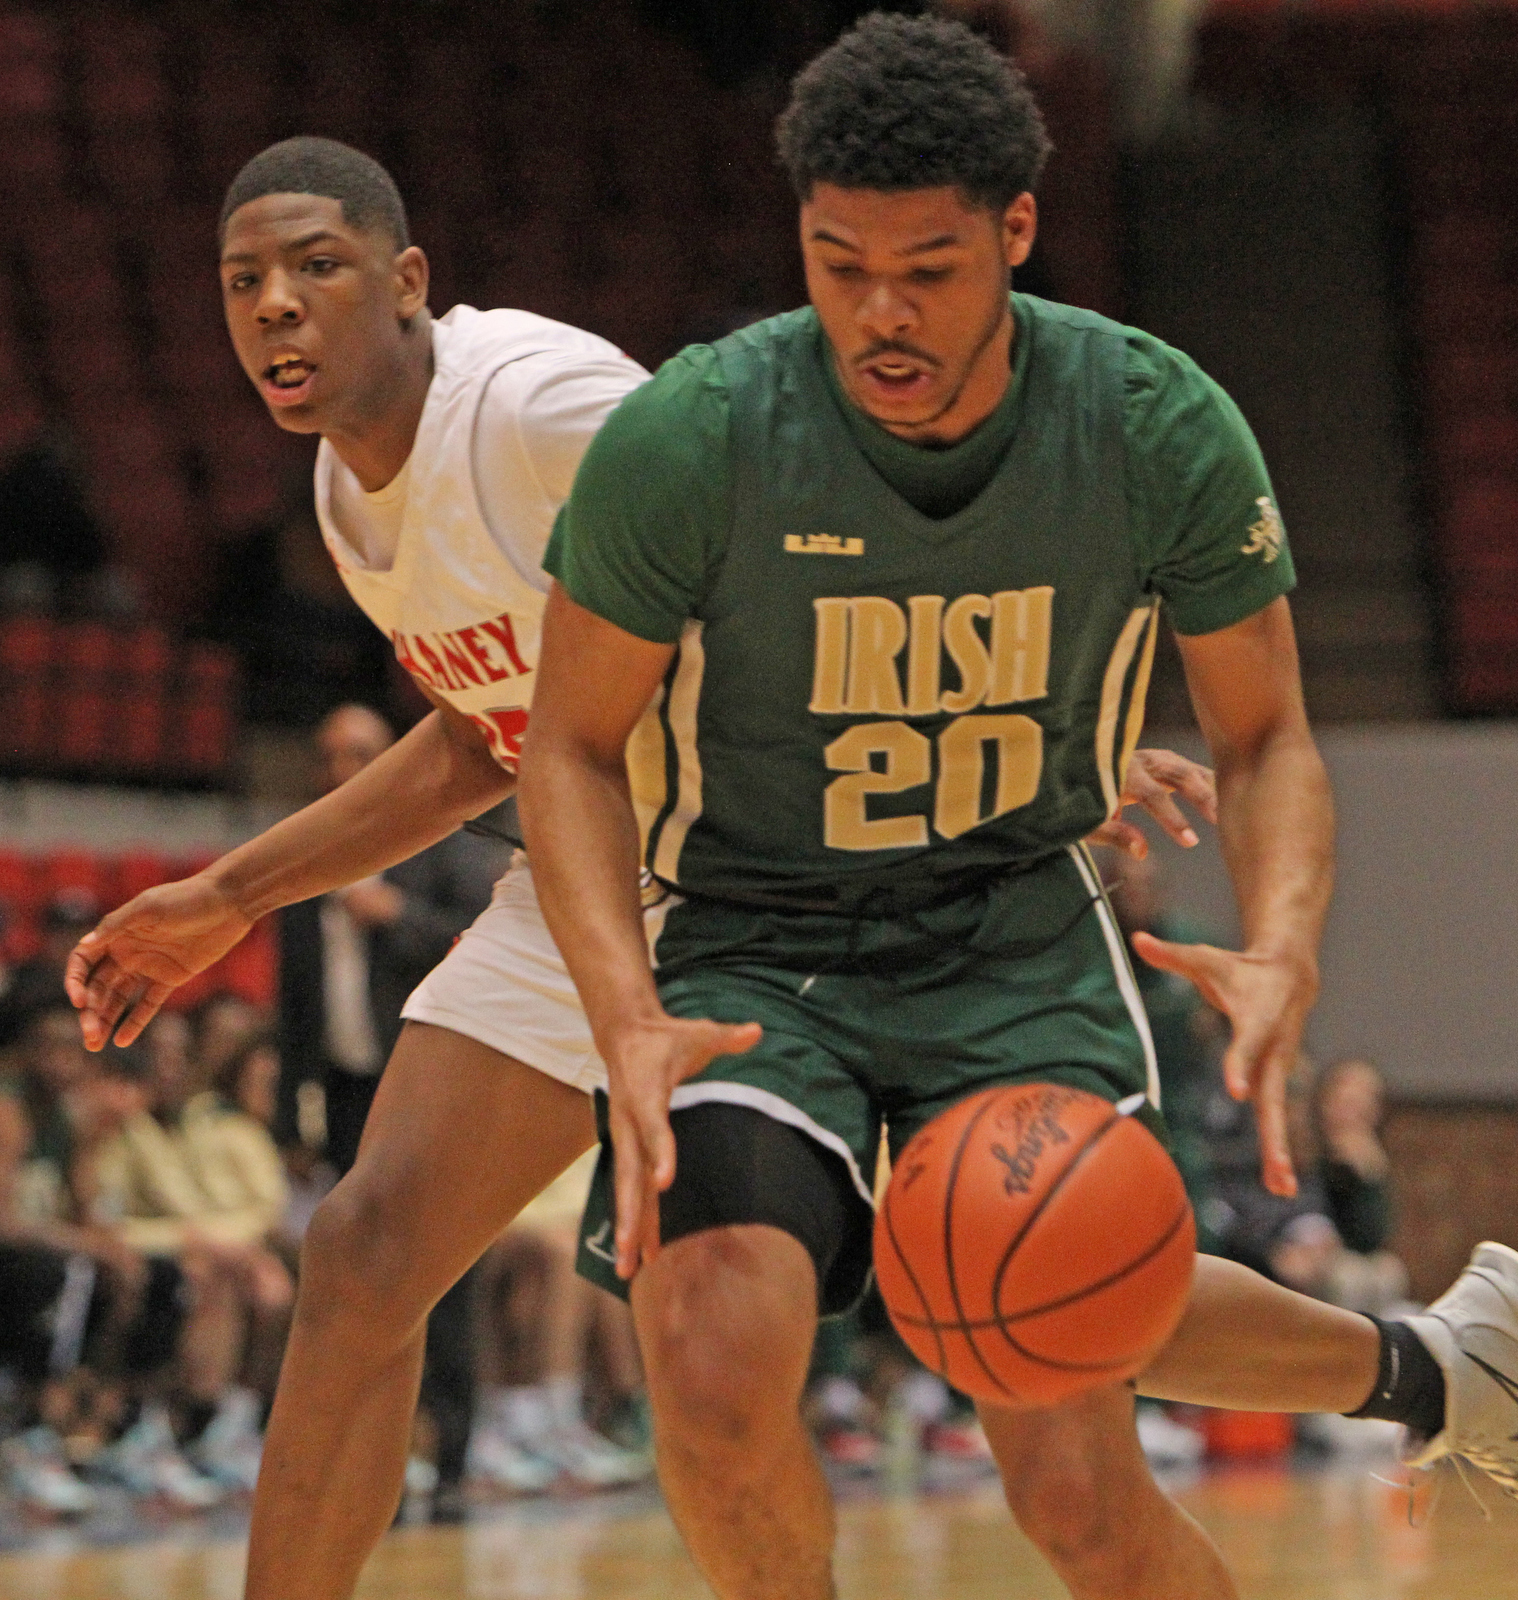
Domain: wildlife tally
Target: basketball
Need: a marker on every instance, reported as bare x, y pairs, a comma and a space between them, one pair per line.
1034, 1242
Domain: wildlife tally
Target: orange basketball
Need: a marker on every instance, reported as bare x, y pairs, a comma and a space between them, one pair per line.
1033, 1243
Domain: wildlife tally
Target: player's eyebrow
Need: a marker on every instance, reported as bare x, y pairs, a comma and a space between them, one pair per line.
942, 241
304, 242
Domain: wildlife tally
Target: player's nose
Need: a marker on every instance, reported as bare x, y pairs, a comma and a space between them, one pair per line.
277, 300
884, 313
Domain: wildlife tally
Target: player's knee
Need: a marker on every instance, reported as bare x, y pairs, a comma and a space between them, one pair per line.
1068, 1512
725, 1369
351, 1257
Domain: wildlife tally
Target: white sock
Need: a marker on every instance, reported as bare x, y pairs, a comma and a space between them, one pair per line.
924, 1396
839, 1399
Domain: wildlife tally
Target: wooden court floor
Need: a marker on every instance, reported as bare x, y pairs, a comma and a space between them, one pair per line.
1338, 1536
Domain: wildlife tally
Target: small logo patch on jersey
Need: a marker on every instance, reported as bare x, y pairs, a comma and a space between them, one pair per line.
823, 544
1267, 535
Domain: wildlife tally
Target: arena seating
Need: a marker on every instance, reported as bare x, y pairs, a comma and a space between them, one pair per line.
1446, 83
654, 214
28, 882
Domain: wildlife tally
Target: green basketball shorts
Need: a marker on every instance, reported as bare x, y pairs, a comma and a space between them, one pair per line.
874, 1025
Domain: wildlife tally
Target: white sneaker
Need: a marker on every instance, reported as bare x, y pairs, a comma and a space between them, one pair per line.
146, 1461
1472, 1331
504, 1464
38, 1474
591, 1461
1166, 1442
421, 1477
231, 1448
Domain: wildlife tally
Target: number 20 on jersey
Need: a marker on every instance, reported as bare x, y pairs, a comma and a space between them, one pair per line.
858, 671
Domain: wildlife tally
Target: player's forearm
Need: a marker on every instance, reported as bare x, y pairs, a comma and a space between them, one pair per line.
417, 792
1276, 827
582, 839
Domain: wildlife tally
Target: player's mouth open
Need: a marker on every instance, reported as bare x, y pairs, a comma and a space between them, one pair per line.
287, 380
896, 376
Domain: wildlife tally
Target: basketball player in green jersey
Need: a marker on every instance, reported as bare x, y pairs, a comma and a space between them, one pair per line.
889, 568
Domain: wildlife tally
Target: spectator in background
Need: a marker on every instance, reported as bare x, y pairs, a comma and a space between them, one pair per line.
542, 1320
221, 1027
348, 960
305, 646
1188, 1034
1329, 1239
38, 981
72, 1289
194, 1180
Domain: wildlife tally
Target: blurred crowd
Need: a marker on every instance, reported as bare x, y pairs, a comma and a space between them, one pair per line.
153, 1200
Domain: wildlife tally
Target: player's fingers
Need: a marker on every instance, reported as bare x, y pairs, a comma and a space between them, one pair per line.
1171, 818
1119, 835
732, 1038
630, 1181
147, 1006
81, 963
648, 1232
1277, 1171
1201, 964
1196, 784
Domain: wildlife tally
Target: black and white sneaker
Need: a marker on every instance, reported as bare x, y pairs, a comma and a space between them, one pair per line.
1472, 1332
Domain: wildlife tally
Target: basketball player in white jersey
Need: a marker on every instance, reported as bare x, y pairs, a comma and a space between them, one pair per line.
447, 447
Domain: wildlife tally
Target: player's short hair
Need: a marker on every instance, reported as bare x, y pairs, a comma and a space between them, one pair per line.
902, 102
366, 192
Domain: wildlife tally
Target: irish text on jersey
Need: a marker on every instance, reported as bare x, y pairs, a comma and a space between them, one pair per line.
874, 659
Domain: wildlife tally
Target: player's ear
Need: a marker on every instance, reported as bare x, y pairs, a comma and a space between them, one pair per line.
1019, 226
411, 278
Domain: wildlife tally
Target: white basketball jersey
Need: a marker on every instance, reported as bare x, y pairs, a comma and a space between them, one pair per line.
463, 615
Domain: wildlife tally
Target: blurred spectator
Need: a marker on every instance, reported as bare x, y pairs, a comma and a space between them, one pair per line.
73, 1290
38, 981
349, 959
1188, 1034
542, 1322
221, 1026
43, 517
305, 646
1305, 1241
194, 1179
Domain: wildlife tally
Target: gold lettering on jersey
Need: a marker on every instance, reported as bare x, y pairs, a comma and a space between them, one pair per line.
1020, 637
924, 654
998, 645
823, 544
877, 631
908, 761
830, 670
967, 650
1019, 744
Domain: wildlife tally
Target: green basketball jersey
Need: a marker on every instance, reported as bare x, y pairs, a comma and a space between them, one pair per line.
866, 700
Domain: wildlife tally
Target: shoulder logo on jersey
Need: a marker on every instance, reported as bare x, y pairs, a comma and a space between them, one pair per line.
823, 544
1267, 535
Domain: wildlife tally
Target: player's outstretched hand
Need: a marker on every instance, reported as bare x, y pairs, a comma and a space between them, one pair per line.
648, 1059
1266, 999
1153, 779
122, 972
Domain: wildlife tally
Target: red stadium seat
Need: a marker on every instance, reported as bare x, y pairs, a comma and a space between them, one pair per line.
76, 869
137, 870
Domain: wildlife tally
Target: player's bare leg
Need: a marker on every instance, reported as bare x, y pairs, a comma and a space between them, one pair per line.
460, 1138
725, 1319
1249, 1344
1079, 1487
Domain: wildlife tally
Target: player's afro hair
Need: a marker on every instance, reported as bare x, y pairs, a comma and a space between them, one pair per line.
366, 192
904, 102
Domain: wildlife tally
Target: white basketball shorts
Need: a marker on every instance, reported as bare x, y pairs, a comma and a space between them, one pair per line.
505, 984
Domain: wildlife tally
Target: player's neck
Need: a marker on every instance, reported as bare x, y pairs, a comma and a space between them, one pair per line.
375, 443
